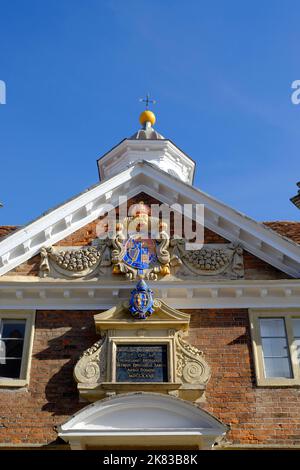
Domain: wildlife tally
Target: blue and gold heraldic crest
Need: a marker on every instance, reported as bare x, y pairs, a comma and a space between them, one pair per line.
139, 253
141, 301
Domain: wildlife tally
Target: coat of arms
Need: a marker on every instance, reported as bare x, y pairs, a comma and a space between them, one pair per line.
140, 253
141, 301
136, 254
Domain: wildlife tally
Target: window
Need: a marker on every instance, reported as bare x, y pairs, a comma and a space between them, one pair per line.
296, 332
276, 347
11, 347
16, 335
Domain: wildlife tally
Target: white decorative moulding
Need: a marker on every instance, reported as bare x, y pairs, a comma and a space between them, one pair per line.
144, 417
89, 294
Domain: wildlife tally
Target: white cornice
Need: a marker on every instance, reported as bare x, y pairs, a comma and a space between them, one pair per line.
85, 295
162, 153
88, 206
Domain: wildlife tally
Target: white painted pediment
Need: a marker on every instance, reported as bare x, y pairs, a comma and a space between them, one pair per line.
144, 177
142, 416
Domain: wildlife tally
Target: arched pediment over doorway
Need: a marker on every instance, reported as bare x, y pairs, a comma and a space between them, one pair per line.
142, 420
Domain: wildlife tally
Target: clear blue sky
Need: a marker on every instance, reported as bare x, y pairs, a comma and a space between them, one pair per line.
221, 72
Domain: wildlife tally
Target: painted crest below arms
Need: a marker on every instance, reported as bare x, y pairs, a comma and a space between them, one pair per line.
141, 301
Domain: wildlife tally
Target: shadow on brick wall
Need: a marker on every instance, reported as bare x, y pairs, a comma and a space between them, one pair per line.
53, 366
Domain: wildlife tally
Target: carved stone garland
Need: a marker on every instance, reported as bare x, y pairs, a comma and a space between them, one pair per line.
210, 260
75, 262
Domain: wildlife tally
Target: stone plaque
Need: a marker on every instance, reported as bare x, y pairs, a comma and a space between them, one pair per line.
142, 363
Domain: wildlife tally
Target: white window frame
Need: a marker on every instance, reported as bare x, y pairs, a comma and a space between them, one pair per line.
29, 317
287, 315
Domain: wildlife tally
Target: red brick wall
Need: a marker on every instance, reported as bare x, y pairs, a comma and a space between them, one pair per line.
28, 268
256, 415
29, 416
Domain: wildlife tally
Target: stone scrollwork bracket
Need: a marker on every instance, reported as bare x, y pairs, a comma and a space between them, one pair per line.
91, 367
191, 365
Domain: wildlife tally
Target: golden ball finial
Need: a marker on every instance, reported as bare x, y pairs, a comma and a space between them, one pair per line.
147, 116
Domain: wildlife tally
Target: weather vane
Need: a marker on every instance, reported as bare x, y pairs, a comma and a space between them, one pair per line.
147, 100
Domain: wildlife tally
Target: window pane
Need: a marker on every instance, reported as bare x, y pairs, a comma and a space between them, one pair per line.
296, 327
276, 353
11, 347
270, 327
275, 367
297, 344
274, 347
296, 333
13, 329
11, 369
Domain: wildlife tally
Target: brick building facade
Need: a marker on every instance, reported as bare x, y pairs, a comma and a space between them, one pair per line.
233, 382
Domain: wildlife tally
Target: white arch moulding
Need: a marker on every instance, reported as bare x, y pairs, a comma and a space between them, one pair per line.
142, 420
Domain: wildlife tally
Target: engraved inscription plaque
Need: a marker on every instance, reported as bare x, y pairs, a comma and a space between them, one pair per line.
142, 363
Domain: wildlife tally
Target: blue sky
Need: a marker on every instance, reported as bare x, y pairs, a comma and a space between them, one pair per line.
221, 72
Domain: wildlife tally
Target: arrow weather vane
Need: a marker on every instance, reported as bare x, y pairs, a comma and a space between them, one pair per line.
147, 100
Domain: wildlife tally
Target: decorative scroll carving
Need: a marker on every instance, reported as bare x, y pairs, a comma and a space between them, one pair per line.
191, 366
93, 349
75, 262
44, 264
210, 260
91, 367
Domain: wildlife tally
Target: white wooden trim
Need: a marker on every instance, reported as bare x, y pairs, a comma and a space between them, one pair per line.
69, 295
